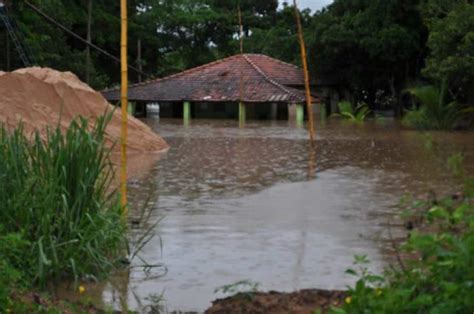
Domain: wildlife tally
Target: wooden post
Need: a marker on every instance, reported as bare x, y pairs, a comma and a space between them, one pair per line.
304, 59
124, 103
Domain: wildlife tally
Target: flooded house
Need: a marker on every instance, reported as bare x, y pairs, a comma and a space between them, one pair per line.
243, 86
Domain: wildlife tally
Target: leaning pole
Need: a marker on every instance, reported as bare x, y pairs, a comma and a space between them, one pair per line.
124, 103
304, 59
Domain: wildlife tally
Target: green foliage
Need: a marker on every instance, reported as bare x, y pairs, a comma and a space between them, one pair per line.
451, 44
369, 46
55, 215
434, 112
359, 114
436, 275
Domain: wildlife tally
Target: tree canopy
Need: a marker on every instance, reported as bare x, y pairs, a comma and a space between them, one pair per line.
375, 48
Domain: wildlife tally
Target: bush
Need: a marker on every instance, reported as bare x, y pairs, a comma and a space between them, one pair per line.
438, 275
56, 217
434, 113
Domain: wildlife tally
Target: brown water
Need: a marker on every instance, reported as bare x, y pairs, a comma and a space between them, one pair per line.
259, 204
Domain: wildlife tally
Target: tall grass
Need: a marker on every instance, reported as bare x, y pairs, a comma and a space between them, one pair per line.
54, 202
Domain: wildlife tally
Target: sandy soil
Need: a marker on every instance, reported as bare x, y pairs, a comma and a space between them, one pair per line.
42, 97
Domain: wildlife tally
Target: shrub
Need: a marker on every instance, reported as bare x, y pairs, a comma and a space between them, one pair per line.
438, 275
434, 113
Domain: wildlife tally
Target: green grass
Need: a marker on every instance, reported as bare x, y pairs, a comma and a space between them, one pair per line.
57, 218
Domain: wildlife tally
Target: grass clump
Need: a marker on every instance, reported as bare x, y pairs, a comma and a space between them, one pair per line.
57, 218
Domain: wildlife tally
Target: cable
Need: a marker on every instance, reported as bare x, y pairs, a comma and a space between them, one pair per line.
65, 29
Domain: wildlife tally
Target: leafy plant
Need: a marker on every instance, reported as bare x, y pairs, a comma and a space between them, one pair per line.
435, 112
359, 114
436, 276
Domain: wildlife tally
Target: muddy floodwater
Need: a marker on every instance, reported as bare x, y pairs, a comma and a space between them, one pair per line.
259, 204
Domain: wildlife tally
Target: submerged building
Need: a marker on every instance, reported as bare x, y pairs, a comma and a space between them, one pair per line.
251, 86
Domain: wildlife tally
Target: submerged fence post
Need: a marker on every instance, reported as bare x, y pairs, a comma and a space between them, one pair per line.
242, 114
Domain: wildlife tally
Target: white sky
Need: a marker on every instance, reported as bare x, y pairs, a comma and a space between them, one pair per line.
312, 4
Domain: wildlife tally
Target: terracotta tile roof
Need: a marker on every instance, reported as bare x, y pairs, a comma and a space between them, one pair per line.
264, 80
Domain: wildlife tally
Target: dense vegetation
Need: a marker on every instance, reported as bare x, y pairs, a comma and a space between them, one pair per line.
375, 48
56, 221
433, 272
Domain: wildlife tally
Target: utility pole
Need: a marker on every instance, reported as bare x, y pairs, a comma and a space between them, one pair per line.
242, 107
139, 59
304, 59
89, 39
124, 100
7, 39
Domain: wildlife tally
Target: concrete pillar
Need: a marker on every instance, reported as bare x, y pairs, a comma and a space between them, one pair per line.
186, 111
274, 111
242, 114
299, 114
131, 108
334, 101
292, 112
296, 113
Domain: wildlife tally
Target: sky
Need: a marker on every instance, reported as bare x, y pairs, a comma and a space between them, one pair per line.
312, 4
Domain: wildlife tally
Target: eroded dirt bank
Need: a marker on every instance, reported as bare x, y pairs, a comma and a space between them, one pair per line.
301, 302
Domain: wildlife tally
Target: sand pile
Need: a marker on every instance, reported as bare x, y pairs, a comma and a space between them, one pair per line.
40, 97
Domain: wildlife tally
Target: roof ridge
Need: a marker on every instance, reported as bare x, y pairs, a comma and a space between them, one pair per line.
276, 60
265, 76
176, 74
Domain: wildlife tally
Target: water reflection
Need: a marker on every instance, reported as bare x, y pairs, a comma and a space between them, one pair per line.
259, 203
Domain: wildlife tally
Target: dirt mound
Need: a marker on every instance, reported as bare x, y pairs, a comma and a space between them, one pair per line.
41, 97
301, 302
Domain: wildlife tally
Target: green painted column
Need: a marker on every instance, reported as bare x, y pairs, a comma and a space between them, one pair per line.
131, 108
186, 111
299, 114
242, 114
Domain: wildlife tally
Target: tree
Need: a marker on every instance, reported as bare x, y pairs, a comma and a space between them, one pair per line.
369, 45
451, 44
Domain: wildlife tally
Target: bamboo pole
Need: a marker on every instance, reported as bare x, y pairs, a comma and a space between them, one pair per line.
304, 59
124, 100
242, 111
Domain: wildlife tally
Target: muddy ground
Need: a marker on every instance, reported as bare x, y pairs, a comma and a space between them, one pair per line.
301, 302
